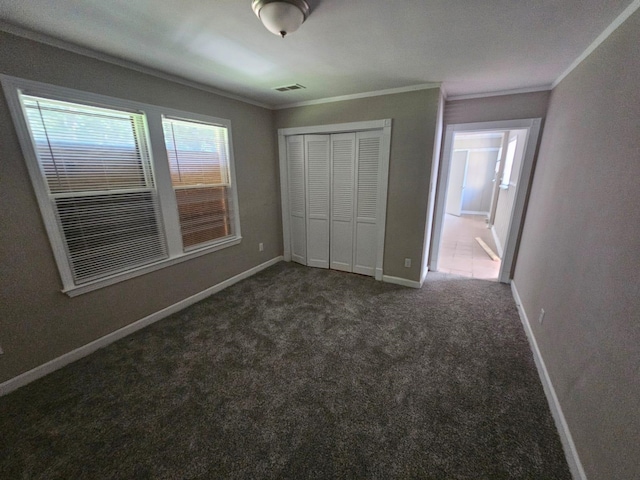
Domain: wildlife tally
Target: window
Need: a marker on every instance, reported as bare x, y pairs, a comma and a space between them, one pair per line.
198, 159
508, 163
124, 188
97, 170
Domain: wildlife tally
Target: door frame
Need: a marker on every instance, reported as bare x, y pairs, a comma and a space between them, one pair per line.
532, 125
383, 125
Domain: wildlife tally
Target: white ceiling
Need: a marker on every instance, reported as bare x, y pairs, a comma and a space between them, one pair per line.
345, 47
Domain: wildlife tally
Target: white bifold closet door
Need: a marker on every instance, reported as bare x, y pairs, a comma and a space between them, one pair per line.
333, 200
297, 199
317, 150
368, 174
343, 153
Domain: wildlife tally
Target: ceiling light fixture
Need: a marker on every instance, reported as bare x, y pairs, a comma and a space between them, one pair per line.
281, 17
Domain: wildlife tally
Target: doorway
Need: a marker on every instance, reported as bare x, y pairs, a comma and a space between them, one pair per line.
467, 247
483, 182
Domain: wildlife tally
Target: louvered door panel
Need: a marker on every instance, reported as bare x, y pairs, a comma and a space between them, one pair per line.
297, 198
343, 148
368, 163
317, 150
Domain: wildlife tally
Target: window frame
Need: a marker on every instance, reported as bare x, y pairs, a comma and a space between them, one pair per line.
152, 119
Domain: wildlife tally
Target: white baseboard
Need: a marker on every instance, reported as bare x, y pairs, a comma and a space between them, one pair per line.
474, 212
78, 353
401, 281
497, 241
379, 274
570, 452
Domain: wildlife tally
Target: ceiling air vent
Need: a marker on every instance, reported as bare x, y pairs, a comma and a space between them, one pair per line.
286, 88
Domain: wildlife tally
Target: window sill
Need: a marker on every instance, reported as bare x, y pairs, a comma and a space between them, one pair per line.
121, 277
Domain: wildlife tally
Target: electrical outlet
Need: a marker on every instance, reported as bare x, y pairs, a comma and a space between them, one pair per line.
541, 317
407, 262
261, 246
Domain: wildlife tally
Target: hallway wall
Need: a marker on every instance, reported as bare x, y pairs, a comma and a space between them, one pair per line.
580, 254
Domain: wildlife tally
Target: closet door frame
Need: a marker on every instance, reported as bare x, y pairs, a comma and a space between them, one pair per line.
382, 125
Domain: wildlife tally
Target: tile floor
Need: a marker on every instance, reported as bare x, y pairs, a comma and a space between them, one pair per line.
461, 254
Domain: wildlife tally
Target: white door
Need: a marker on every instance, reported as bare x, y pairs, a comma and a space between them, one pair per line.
297, 198
455, 189
318, 166
478, 185
343, 153
368, 173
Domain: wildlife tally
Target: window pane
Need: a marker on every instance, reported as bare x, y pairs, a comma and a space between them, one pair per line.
197, 153
107, 234
204, 214
83, 148
99, 177
199, 164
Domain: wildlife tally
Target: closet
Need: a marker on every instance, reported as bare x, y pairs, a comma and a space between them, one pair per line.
336, 188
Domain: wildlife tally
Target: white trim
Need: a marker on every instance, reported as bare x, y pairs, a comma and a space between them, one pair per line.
532, 125
499, 93
164, 185
383, 189
496, 240
423, 277
59, 362
104, 57
354, 96
433, 179
620, 19
336, 128
570, 451
401, 281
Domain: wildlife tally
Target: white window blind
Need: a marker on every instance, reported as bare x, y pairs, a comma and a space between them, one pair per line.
200, 174
124, 188
97, 170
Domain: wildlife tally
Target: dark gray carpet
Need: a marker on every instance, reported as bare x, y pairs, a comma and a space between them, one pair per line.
299, 373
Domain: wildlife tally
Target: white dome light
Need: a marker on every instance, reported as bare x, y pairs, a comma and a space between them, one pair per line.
281, 17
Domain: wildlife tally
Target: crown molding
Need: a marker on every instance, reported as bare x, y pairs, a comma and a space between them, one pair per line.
87, 52
354, 96
498, 93
620, 19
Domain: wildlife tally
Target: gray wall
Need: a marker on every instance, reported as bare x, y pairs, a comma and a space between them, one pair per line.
415, 116
502, 107
37, 321
580, 254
